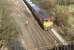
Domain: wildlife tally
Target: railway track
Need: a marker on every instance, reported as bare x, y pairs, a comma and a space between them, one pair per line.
49, 36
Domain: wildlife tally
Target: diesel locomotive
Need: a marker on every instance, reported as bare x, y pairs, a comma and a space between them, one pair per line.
44, 19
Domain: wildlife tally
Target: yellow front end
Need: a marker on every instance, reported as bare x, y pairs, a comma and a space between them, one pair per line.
47, 24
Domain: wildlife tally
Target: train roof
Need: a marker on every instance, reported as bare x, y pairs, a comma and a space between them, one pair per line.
38, 10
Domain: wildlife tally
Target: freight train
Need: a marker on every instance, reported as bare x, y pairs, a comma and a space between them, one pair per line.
44, 20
